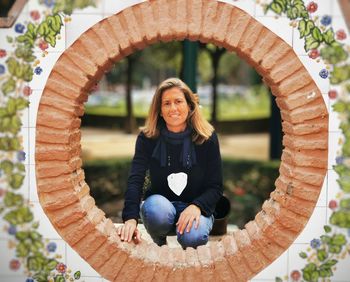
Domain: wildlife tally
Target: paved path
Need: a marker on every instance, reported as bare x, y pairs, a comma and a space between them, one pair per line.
103, 144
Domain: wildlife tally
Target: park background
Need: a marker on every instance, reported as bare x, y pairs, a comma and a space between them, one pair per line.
243, 123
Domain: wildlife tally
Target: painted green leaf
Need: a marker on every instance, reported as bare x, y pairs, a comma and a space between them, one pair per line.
340, 74
9, 39
36, 246
22, 250
51, 264
51, 39
311, 43
34, 235
303, 255
34, 264
328, 36
276, 7
14, 144
334, 54
327, 228
12, 65
26, 53
43, 28
77, 275
9, 86
305, 27
12, 199
31, 29
331, 262
3, 112
20, 167
317, 34
339, 239
16, 180
54, 22
22, 235
19, 216
292, 13
11, 106
325, 273
15, 124
59, 278
278, 279
345, 204
6, 166
341, 219
344, 184
21, 103
27, 72
322, 254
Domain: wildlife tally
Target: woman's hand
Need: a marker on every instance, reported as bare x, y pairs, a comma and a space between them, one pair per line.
188, 215
129, 231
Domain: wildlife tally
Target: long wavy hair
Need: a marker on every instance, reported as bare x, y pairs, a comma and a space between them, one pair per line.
202, 129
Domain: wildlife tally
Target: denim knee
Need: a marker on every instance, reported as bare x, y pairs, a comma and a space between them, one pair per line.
196, 237
158, 215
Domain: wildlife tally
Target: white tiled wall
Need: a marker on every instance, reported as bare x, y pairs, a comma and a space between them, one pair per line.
82, 20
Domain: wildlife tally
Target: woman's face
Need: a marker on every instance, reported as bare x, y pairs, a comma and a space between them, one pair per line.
174, 109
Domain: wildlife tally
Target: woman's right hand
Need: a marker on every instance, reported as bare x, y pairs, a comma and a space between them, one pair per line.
129, 231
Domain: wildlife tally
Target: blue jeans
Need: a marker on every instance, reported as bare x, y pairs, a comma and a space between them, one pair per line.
159, 216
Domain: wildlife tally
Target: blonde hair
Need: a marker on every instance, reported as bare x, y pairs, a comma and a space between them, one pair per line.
202, 129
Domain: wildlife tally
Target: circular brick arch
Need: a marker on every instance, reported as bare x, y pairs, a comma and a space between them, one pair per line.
64, 195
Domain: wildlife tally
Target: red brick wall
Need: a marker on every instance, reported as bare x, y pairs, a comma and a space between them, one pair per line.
64, 194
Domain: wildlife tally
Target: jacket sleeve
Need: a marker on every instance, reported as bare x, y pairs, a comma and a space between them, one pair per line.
136, 179
213, 189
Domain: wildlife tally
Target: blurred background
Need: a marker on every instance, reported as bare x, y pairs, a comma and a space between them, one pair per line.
232, 97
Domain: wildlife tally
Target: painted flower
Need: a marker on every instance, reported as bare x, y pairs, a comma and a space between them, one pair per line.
332, 94
43, 45
315, 243
61, 268
332, 204
35, 15
21, 156
51, 247
312, 7
15, 264
2, 69
341, 34
2, 192
326, 20
27, 91
38, 70
324, 73
49, 3
19, 28
314, 53
12, 230
295, 275
2, 53
339, 160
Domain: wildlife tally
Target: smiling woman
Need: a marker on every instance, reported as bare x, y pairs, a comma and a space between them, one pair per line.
64, 194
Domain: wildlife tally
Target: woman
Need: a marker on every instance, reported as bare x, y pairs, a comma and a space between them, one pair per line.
181, 151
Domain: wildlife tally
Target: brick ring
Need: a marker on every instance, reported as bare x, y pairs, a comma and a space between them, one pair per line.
64, 195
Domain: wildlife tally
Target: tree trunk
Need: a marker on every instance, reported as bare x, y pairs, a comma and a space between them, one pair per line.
130, 122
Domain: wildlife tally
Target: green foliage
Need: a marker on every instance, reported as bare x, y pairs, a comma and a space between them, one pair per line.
340, 218
12, 199
67, 6
29, 37
77, 275
9, 86
50, 28
340, 74
9, 144
334, 54
20, 70
19, 216
25, 53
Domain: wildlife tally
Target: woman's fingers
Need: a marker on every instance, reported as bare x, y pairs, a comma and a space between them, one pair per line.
137, 236
197, 221
189, 225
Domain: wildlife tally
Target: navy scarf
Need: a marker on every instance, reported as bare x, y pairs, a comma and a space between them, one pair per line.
188, 154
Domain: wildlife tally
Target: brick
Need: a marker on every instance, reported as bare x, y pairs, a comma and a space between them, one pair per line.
69, 214
94, 47
296, 205
310, 111
52, 99
194, 19
285, 217
89, 245
238, 24
69, 70
59, 199
161, 12
57, 136
152, 259
131, 269
111, 268
267, 247
299, 98
51, 117
262, 46
74, 232
59, 152
249, 37
193, 271
131, 25
222, 23
110, 43
179, 26
312, 126
103, 254
46, 169
148, 24
254, 259
297, 189
164, 267
317, 141
312, 176
279, 49
179, 264
235, 259
64, 87
81, 60
308, 158
64, 181
286, 66
206, 261
274, 231
120, 35
223, 270
210, 10
291, 84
